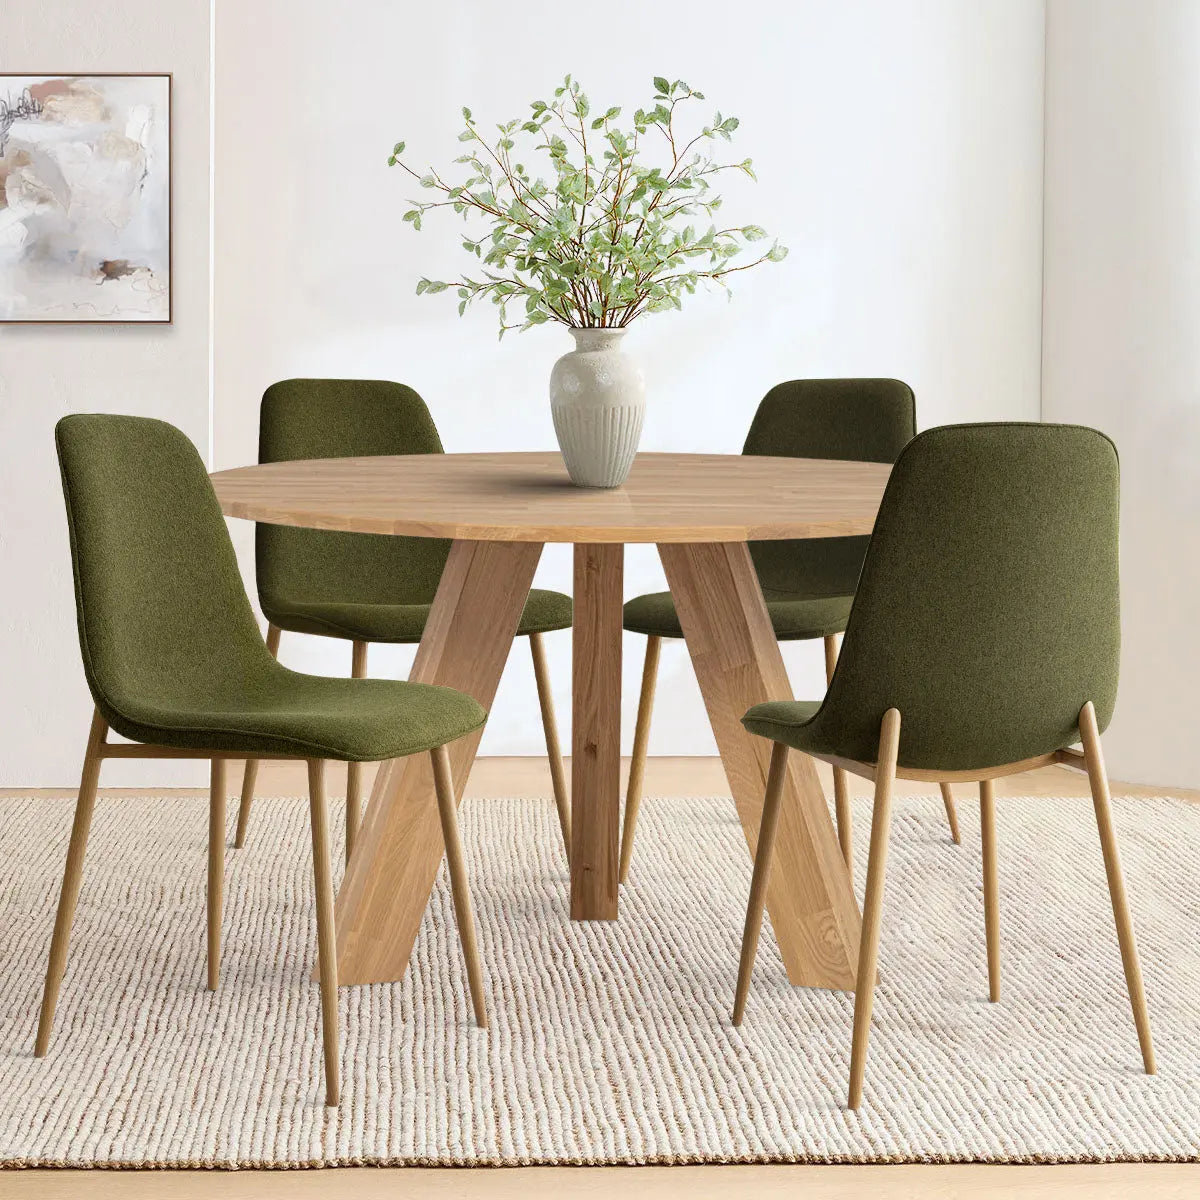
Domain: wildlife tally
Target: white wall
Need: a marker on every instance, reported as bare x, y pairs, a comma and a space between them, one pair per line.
47, 371
1122, 352
899, 149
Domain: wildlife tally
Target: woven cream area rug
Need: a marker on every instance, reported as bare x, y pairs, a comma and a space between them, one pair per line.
609, 1043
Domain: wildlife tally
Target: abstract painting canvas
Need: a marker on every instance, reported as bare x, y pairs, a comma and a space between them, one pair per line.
85, 198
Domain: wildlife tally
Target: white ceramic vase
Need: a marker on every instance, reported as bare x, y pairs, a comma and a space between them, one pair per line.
598, 399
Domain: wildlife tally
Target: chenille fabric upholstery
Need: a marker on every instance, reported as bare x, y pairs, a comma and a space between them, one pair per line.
988, 609
808, 585
358, 586
171, 649
794, 619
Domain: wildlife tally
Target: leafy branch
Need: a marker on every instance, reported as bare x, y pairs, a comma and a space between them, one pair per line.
610, 236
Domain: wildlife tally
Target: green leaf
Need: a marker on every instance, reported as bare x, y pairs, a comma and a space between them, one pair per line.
466, 112
398, 148
777, 253
612, 220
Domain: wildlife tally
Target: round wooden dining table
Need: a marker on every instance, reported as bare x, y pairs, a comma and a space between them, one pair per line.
499, 509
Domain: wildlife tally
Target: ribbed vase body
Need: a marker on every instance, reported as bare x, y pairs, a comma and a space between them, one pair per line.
598, 400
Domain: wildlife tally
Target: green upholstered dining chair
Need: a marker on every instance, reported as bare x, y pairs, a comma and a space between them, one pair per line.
364, 587
175, 661
984, 641
808, 585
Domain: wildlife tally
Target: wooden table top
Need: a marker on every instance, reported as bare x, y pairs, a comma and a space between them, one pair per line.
528, 497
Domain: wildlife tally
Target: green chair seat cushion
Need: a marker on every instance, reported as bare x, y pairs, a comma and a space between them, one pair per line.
313, 716
795, 618
988, 609
784, 721
171, 649
545, 611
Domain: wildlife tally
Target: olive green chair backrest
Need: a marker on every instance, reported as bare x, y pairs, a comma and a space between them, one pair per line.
344, 418
987, 611
162, 612
864, 420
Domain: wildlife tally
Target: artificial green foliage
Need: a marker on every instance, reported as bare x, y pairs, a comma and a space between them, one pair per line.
628, 224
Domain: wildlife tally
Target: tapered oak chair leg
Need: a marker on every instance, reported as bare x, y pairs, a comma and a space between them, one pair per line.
991, 884
459, 889
951, 812
358, 670
868, 954
762, 874
1098, 779
326, 943
250, 778
216, 868
637, 764
72, 878
558, 774
841, 781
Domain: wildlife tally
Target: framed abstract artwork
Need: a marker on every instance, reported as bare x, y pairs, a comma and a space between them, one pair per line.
85, 198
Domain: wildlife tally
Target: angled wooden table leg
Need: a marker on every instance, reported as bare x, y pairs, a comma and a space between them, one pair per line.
738, 663
399, 846
596, 731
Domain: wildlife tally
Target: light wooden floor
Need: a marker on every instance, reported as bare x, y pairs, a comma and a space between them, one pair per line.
664, 776
1134, 1181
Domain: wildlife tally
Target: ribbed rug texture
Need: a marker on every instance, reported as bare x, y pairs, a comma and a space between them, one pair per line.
608, 1042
